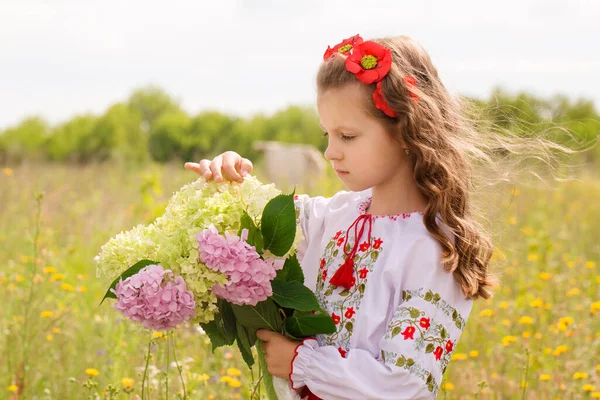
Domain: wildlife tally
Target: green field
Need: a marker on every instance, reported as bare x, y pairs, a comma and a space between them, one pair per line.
538, 338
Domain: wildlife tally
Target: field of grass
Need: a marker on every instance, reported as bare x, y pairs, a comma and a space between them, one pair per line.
538, 338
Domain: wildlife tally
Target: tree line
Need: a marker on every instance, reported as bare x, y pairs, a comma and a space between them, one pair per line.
151, 125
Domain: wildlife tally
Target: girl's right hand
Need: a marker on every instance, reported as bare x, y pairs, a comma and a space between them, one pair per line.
229, 165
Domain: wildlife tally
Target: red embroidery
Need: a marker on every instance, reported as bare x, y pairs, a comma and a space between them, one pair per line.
336, 318
377, 243
337, 235
322, 263
449, 345
425, 322
364, 246
350, 312
409, 332
342, 352
340, 241
438, 352
363, 273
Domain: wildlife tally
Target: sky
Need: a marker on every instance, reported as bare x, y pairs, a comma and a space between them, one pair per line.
63, 58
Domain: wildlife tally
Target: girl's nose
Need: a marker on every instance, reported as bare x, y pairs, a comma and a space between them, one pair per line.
331, 153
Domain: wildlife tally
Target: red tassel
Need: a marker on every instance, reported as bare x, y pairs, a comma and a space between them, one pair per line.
343, 276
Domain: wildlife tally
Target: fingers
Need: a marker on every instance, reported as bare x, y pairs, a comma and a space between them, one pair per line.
200, 168
245, 167
215, 168
230, 162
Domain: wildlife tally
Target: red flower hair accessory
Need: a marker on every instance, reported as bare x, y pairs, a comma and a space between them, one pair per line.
380, 102
411, 82
345, 47
369, 61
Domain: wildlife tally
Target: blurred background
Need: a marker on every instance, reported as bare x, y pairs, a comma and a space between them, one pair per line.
102, 103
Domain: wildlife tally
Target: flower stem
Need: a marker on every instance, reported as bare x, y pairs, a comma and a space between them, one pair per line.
167, 373
266, 375
177, 364
146, 369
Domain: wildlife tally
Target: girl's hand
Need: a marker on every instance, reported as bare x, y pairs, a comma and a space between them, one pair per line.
279, 352
229, 165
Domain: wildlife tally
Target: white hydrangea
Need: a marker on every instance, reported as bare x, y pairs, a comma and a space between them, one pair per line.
170, 239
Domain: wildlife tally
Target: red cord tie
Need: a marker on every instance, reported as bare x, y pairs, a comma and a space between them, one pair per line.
344, 276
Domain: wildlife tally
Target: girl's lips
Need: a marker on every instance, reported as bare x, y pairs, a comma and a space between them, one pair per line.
341, 172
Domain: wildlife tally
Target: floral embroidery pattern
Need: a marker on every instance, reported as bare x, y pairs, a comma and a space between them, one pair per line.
414, 325
435, 299
362, 209
343, 303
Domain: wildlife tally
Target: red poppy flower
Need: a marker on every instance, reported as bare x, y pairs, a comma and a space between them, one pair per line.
409, 332
336, 318
369, 61
350, 312
380, 102
363, 273
377, 243
449, 345
342, 352
344, 47
424, 323
322, 263
364, 246
438, 352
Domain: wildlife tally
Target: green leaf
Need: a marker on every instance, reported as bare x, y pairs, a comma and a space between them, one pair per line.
244, 344
254, 236
436, 297
410, 362
414, 313
267, 378
304, 325
294, 295
291, 271
361, 288
263, 315
428, 296
396, 331
349, 326
400, 362
278, 224
134, 269
215, 332
429, 348
443, 333
227, 318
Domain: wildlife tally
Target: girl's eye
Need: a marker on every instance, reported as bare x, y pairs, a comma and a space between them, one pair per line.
344, 137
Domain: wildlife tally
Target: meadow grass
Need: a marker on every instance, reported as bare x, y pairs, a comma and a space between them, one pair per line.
537, 338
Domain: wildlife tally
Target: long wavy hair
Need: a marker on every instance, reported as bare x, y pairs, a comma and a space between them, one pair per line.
450, 145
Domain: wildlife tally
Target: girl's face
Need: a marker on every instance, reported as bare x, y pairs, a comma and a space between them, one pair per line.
360, 150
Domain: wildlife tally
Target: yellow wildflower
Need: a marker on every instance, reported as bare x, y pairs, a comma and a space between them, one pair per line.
504, 304
595, 307
49, 270
13, 388
8, 171
203, 377
571, 264
506, 322
447, 386
46, 314
580, 375
573, 292
512, 220
588, 388
547, 306
566, 320
545, 276
459, 356
235, 383
156, 335
82, 289
547, 350
56, 330
473, 353
532, 257
49, 337
526, 335
506, 340
233, 372
597, 367
127, 382
595, 395
538, 335
525, 320
537, 303
57, 277
486, 312
226, 379
92, 372
66, 287
590, 264
544, 377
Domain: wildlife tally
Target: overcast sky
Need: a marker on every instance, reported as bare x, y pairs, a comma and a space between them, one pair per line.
60, 58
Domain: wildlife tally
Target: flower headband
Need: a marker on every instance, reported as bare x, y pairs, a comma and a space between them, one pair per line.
370, 62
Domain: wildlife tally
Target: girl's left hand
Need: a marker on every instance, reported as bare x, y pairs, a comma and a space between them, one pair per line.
279, 352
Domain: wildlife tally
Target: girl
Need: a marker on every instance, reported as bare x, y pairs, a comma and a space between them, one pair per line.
398, 258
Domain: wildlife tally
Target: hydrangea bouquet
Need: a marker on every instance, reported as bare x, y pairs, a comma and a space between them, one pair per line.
222, 255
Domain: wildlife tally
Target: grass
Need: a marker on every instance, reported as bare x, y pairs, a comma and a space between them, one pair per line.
537, 338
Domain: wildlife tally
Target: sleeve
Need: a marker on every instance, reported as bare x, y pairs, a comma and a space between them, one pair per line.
414, 349
310, 216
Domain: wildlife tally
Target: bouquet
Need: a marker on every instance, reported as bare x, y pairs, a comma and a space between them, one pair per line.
223, 255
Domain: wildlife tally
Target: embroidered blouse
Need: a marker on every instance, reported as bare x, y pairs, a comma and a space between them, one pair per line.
399, 316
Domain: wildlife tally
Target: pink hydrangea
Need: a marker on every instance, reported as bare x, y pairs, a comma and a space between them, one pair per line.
155, 298
249, 275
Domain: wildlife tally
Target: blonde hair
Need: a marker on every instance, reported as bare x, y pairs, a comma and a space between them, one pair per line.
449, 145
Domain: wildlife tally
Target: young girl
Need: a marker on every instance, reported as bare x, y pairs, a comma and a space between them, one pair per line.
398, 259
